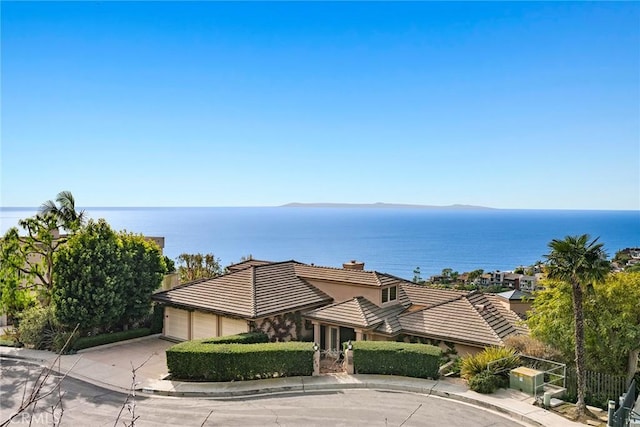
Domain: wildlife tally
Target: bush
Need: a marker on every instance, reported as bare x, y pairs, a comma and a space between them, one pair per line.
505, 360
38, 327
526, 345
243, 338
396, 358
484, 382
197, 360
87, 342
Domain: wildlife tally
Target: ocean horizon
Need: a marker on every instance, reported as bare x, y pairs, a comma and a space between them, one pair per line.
393, 240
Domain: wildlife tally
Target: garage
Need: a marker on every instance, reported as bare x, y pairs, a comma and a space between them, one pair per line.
176, 323
203, 325
232, 326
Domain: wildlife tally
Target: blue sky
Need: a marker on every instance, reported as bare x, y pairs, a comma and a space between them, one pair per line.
508, 105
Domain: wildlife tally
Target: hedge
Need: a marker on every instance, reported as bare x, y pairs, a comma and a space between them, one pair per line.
197, 360
396, 358
86, 342
243, 338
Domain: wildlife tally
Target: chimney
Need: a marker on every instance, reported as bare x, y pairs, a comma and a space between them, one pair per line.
353, 265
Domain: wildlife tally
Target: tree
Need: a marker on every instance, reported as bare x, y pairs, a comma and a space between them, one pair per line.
15, 295
580, 263
90, 278
27, 261
417, 278
146, 267
612, 322
64, 212
104, 280
197, 266
475, 274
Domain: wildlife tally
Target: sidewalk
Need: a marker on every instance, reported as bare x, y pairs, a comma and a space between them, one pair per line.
91, 367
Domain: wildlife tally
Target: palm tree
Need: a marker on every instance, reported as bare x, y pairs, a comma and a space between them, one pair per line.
578, 262
65, 211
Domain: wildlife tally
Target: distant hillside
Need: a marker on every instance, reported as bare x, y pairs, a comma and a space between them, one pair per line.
380, 205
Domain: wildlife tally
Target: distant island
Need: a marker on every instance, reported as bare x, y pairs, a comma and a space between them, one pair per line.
381, 205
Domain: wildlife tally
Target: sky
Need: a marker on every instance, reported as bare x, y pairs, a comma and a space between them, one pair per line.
506, 105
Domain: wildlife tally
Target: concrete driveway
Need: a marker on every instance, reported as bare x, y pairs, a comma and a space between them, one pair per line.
125, 356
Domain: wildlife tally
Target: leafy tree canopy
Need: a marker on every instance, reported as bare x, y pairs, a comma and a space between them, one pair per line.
612, 321
104, 279
198, 266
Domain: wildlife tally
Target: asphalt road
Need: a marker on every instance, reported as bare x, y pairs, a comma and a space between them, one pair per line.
87, 405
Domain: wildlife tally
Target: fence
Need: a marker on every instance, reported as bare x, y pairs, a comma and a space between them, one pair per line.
599, 387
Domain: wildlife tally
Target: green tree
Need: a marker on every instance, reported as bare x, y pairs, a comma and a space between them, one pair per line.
475, 274
580, 263
198, 266
104, 279
29, 258
15, 292
612, 322
26, 261
90, 278
146, 267
64, 212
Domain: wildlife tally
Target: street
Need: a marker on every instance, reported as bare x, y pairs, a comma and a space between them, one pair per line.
86, 404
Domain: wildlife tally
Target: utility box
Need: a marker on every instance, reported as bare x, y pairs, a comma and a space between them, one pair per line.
526, 380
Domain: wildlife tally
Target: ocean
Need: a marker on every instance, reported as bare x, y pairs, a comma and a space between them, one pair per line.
394, 241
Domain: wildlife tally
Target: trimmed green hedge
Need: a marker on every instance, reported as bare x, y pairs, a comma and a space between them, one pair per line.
396, 358
196, 360
243, 338
87, 342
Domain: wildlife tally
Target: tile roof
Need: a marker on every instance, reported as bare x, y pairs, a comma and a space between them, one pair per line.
356, 277
261, 289
253, 292
358, 312
474, 318
247, 263
428, 296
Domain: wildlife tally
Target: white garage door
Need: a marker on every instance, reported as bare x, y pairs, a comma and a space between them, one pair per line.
176, 323
233, 326
203, 325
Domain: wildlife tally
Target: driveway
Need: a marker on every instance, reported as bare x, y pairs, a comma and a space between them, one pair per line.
124, 356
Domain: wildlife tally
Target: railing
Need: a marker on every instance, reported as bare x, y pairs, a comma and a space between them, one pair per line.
553, 373
622, 416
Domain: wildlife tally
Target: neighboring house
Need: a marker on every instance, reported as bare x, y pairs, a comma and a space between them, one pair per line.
517, 301
291, 300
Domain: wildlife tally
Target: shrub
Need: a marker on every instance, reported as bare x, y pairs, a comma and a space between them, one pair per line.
505, 360
243, 338
87, 342
198, 360
526, 345
484, 382
38, 327
396, 358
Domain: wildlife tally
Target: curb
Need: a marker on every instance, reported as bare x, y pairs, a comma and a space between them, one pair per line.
296, 385
315, 388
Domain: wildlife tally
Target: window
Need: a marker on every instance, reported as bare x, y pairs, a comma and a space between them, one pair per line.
389, 294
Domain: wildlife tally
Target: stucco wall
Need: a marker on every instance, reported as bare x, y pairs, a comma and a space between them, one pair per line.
343, 291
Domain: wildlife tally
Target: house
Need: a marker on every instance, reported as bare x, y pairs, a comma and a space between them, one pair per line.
292, 300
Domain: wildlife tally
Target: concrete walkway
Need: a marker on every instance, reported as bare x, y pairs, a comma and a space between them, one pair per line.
111, 367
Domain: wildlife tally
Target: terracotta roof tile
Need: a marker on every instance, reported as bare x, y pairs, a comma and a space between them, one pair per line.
253, 292
455, 320
358, 312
